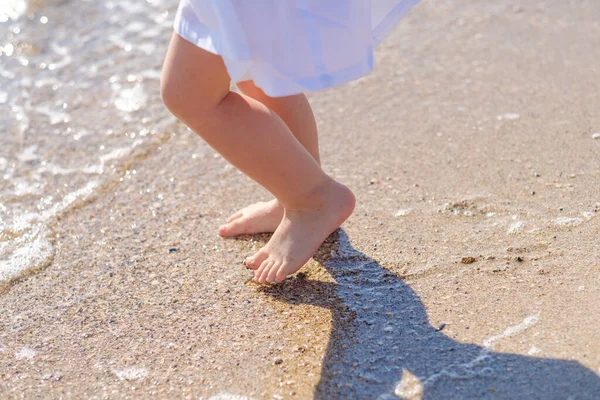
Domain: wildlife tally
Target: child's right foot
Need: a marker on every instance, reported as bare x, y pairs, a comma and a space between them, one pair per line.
300, 234
262, 217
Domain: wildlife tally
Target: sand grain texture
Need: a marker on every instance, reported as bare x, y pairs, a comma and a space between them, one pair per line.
477, 125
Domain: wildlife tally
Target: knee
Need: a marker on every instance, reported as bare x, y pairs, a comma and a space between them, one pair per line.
186, 100
172, 95
182, 99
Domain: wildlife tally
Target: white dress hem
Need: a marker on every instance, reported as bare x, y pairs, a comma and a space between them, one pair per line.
273, 79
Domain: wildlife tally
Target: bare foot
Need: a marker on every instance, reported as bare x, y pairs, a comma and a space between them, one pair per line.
300, 234
262, 217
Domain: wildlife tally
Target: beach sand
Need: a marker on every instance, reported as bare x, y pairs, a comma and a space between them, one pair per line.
470, 268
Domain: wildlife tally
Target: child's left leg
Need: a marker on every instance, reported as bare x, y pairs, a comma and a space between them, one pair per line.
296, 113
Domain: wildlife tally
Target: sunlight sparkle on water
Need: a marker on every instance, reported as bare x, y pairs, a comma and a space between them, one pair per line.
12, 9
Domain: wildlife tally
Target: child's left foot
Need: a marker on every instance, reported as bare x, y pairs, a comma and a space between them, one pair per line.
300, 234
262, 217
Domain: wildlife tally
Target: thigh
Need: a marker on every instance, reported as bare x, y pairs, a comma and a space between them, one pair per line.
250, 89
191, 72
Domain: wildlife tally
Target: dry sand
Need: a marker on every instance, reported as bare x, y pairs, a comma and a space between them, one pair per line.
470, 268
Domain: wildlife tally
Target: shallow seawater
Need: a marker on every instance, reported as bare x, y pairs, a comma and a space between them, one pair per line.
79, 100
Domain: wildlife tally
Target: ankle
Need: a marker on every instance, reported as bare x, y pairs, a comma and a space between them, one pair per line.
319, 196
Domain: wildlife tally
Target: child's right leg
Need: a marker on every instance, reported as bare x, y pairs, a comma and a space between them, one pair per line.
195, 87
296, 113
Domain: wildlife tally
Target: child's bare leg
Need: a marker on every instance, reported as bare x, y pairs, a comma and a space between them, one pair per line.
296, 113
195, 87
294, 110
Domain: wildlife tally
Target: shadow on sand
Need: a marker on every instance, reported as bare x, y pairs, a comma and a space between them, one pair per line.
383, 347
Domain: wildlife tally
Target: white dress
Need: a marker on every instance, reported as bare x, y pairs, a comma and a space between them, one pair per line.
291, 46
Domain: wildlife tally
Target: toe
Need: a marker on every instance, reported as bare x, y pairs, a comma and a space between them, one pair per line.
263, 270
281, 273
253, 262
272, 274
223, 230
235, 216
259, 271
233, 228
249, 263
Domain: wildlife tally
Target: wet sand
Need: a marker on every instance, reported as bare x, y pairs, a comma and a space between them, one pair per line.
470, 268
